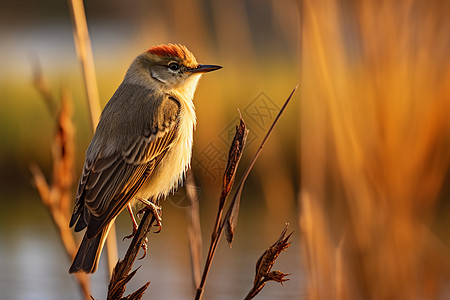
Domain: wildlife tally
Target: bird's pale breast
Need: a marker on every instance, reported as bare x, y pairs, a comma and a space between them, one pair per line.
170, 171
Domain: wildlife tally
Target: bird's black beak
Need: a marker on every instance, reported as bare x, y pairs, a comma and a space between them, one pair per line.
205, 68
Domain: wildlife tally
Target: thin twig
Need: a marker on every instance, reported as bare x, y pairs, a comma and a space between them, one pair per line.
121, 274
194, 230
230, 219
234, 157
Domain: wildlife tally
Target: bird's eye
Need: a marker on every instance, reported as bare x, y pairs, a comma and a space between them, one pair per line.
174, 66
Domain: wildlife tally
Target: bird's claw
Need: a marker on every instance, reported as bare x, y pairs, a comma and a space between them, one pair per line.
133, 221
144, 247
129, 236
157, 213
158, 220
133, 233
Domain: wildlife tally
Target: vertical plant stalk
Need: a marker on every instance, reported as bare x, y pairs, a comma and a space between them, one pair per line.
121, 274
56, 195
84, 52
230, 220
194, 231
234, 157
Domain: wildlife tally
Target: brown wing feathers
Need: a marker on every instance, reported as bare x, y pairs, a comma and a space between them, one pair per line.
109, 183
119, 201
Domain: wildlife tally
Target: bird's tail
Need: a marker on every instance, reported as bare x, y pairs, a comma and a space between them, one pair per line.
88, 254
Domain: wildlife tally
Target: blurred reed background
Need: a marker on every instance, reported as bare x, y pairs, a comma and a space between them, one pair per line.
359, 163
375, 141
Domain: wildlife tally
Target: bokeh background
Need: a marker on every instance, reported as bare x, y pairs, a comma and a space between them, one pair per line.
358, 165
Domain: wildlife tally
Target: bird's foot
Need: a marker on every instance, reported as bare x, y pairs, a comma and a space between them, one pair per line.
135, 228
133, 221
130, 235
155, 209
144, 247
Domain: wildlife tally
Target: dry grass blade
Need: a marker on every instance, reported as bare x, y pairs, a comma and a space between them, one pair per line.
194, 231
57, 195
233, 211
121, 273
234, 156
265, 263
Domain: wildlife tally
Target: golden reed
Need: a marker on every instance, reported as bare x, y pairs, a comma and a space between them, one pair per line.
375, 148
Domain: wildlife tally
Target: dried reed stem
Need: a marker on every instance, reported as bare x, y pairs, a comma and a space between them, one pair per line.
56, 196
230, 220
194, 231
121, 274
84, 51
60, 219
234, 157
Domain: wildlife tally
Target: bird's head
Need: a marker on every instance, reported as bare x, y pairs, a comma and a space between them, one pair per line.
167, 67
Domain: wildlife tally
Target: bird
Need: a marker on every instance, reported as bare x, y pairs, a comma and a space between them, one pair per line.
142, 145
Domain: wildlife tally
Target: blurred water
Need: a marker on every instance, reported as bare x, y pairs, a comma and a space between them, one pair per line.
52, 43
34, 265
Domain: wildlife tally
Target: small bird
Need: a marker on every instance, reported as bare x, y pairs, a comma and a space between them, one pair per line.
142, 146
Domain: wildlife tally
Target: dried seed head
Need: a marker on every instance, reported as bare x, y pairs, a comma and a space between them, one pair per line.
234, 156
266, 261
277, 276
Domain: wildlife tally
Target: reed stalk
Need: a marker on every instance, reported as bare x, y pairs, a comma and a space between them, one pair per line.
86, 58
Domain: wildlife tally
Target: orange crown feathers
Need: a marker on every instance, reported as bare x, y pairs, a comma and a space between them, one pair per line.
175, 50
